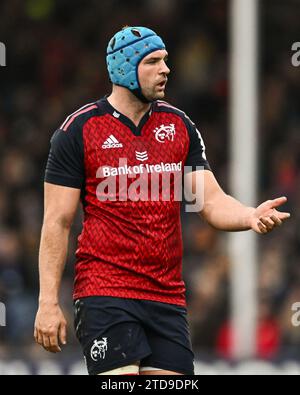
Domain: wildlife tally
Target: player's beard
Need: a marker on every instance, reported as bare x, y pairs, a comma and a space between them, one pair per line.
153, 93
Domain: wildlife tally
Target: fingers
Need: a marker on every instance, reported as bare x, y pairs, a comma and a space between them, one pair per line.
283, 216
47, 339
38, 337
54, 346
35, 334
277, 221
267, 222
63, 333
267, 217
262, 228
50, 342
46, 342
279, 201
50, 327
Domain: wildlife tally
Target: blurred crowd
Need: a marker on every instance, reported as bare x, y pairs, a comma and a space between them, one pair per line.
56, 64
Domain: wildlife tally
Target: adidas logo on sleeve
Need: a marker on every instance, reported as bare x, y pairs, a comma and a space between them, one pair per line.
111, 142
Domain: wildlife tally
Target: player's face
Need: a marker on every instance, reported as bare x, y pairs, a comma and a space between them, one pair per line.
153, 73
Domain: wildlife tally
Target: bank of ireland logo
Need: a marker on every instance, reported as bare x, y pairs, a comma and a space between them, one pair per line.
99, 349
165, 133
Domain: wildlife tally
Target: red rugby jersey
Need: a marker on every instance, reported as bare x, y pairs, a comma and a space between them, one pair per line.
128, 248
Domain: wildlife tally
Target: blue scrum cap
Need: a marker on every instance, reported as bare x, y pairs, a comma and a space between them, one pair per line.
126, 50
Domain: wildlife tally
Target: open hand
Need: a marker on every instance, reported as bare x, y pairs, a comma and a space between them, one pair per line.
265, 217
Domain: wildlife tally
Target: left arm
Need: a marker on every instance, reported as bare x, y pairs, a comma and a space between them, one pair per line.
224, 212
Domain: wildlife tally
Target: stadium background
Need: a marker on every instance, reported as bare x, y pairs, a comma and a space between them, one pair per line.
55, 64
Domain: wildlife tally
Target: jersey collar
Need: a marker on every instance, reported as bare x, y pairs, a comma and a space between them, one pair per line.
136, 130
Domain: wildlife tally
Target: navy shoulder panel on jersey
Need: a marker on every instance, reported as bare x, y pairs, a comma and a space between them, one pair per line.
196, 155
65, 165
79, 116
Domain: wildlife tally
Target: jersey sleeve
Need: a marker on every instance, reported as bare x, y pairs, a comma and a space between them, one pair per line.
65, 165
196, 156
